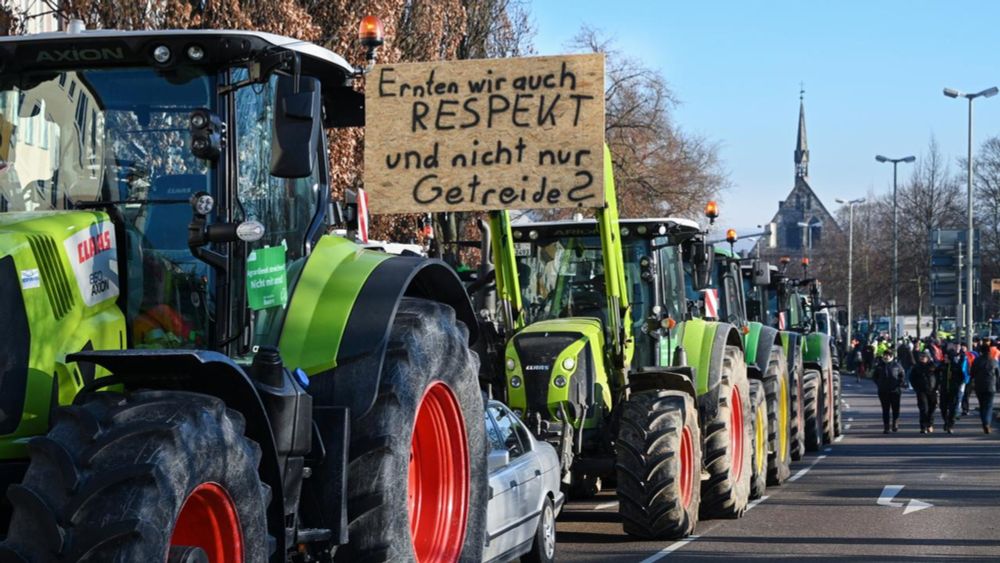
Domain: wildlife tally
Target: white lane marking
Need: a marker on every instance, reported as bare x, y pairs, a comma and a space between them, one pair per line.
669, 549
754, 503
602, 506
915, 506
838, 438
803, 471
888, 493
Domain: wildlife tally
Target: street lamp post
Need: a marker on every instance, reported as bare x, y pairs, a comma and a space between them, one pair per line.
850, 262
895, 242
970, 245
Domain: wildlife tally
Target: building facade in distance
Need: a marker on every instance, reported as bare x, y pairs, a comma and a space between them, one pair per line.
804, 226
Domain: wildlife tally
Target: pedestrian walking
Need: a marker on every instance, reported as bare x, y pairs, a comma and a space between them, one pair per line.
889, 378
985, 373
904, 354
949, 381
968, 357
923, 379
858, 359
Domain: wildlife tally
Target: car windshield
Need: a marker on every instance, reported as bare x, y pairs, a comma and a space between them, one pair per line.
561, 277
946, 325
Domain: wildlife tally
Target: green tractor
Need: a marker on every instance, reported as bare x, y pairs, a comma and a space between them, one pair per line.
604, 361
768, 367
191, 369
762, 285
798, 300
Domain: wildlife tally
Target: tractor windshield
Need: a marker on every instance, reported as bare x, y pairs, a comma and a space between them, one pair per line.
100, 136
117, 140
561, 277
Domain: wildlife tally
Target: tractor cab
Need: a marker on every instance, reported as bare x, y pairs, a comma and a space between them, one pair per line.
205, 149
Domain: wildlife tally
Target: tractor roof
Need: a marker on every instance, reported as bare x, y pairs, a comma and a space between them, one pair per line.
67, 51
674, 225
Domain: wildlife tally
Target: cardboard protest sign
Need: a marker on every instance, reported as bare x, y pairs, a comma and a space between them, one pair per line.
524, 133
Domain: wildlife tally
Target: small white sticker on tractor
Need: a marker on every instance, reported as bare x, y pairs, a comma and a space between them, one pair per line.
94, 260
30, 279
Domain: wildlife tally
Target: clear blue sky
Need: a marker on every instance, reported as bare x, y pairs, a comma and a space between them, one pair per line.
873, 73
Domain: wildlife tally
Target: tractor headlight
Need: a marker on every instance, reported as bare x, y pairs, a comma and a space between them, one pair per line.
568, 364
195, 53
559, 381
510, 364
515, 382
161, 54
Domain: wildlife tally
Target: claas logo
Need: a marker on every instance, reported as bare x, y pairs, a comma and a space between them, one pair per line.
93, 246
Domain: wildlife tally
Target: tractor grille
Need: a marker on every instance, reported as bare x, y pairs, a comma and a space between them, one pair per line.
53, 276
538, 350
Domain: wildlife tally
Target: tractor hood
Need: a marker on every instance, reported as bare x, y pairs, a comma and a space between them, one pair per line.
555, 364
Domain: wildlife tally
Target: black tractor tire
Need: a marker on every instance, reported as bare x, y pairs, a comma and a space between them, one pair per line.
651, 461
727, 490
427, 346
798, 418
543, 548
758, 405
838, 402
812, 406
107, 484
779, 411
828, 407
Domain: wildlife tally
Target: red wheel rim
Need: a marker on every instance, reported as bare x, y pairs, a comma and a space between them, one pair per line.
438, 480
687, 467
208, 520
736, 434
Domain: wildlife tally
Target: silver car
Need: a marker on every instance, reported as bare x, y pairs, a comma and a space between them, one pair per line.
524, 491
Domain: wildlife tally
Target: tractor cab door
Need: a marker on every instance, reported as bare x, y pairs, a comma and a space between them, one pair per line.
291, 211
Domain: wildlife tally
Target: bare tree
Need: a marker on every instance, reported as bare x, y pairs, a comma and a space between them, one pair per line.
659, 168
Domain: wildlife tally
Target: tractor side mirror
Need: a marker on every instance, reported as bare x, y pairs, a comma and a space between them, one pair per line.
297, 126
703, 258
761, 273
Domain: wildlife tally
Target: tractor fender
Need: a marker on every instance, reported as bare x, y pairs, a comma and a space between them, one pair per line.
678, 378
816, 353
709, 339
759, 342
352, 381
205, 372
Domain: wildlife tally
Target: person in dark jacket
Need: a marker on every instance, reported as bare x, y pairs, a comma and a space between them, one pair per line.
985, 373
904, 355
889, 378
923, 378
950, 379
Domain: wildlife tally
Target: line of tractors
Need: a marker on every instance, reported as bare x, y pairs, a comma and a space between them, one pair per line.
192, 370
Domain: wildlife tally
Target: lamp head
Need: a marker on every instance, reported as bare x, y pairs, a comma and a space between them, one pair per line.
952, 93
881, 158
908, 159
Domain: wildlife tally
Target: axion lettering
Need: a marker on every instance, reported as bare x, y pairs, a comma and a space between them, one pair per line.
74, 55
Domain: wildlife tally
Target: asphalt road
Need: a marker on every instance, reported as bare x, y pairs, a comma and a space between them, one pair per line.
948, 506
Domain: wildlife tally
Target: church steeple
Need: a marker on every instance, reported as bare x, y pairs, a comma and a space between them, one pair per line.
801, 146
